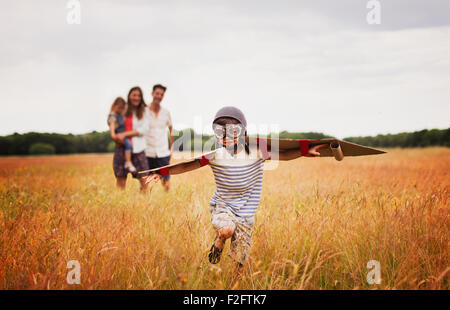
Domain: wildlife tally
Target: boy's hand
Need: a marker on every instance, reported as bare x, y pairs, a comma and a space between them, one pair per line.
153, 178
313, 151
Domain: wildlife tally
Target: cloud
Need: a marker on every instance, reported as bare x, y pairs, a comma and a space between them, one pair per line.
302, 65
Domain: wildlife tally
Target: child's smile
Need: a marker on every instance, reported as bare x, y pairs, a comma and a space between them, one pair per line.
228, 142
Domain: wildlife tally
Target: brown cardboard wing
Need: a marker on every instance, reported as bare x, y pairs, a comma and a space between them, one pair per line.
336, 146
338, 149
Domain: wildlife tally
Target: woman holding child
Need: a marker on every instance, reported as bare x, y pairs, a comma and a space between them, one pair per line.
128, 135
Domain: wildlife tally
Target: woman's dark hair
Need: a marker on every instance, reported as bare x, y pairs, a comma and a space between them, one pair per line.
140, 108
118, 101
223, 121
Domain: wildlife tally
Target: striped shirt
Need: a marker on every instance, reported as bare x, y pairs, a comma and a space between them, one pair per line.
238, 180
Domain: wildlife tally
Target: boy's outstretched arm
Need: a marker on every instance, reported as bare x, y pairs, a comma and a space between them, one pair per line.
293, 154
178, 168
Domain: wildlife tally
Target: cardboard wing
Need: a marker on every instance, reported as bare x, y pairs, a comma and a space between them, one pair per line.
338, 149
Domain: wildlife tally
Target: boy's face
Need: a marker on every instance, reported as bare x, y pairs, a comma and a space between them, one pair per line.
228, 142
228, 135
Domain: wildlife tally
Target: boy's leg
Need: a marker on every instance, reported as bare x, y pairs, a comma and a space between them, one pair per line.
240, 247
224, 226
223, 234
241, 241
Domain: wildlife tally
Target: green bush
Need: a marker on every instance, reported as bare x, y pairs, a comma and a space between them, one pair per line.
111, 147
41, 148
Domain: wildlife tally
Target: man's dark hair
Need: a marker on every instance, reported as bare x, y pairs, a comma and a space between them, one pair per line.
159, 86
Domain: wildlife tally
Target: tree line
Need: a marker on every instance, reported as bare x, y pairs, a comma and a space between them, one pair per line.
100, 142
422, 138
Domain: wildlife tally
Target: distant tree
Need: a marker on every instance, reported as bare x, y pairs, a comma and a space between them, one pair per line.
100, 142
420, 138
41, 148
111, 146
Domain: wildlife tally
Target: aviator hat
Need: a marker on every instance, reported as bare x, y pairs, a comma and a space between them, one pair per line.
231, 112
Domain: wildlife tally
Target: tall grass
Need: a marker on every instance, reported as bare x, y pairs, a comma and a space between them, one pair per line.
318, 224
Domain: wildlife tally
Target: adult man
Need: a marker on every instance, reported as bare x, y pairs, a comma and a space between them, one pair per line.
157, 150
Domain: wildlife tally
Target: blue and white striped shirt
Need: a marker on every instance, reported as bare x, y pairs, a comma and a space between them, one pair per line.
238, 180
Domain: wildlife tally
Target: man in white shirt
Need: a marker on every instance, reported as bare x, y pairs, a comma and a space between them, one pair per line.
158, 150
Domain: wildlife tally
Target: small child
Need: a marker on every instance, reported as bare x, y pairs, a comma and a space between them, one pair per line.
238, 173
116, 125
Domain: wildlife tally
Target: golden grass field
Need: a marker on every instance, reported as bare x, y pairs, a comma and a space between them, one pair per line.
319, 222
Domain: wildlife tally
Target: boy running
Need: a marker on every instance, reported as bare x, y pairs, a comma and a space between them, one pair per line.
238, 174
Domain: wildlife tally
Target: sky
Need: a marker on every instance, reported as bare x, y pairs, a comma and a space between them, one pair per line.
288, 65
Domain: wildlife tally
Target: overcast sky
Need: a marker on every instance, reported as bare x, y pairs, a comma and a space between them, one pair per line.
296, 65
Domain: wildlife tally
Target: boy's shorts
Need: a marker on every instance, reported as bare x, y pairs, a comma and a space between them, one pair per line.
241, 240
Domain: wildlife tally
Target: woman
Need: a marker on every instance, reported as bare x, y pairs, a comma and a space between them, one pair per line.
136, 124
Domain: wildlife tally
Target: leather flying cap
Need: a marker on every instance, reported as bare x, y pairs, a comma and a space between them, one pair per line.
232, 112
